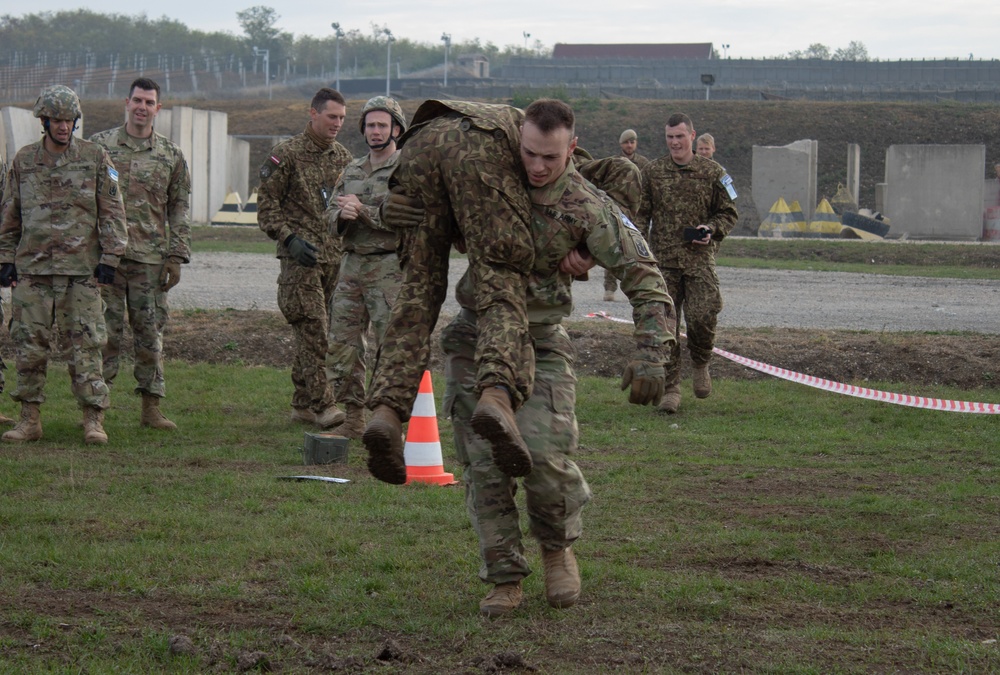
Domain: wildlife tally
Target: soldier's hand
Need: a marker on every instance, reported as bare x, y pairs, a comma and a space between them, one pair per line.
648, 380
577, 262
105, 274
170, 275
302, 251
8, 275
399, 211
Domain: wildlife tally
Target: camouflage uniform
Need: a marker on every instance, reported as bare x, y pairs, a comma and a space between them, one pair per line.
296, 186
3, 321
156, 189
463, 161
369, 278
675, 197
64, 216
567, 214
610, 283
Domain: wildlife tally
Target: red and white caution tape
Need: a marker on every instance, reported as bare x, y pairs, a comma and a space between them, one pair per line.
846, 389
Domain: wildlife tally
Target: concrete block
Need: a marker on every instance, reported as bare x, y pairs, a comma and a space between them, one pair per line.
218, 162
854, 170
238, 171
198, 163
935, 191
20, 128
787, 172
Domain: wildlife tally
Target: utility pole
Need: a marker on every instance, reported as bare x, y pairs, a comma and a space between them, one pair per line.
337, 33
446, 38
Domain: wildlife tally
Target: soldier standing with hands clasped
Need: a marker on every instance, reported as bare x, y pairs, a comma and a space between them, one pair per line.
63, 234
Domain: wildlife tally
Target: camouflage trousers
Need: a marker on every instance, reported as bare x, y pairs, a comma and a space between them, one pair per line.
366, 290
53, 311
469, 182
304, 295
696, 292
555, 490
137, 290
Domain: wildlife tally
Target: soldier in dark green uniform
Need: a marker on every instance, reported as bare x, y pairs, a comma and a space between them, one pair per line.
685, 191
296, 187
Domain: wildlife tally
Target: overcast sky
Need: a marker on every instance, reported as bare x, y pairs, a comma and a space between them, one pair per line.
891, 29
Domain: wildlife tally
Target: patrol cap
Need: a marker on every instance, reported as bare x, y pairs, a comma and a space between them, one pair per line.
58, 102
385, 104
627, 135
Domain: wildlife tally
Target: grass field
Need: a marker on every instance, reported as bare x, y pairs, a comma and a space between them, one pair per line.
770, 528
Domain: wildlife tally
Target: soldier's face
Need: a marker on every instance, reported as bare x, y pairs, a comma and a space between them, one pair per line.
140, 111
328, 121
629, 146
680, 140
60, 131
545, 155
378, 127
706, 150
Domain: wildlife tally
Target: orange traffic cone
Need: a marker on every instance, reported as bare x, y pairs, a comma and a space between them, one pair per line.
422, 452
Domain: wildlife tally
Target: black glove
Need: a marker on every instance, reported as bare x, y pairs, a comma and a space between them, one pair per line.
399, 211
105, 274
8, 275
648, 381
302, 251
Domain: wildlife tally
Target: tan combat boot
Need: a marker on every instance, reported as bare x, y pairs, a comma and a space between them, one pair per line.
609, 296
562, 577
501, 599
702, 382
29, 426
354, 426
383, 438
93, 426
303, 415
671, 400
151, 415
493, 419
330, 417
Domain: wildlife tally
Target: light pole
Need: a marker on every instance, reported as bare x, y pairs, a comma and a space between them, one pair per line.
266, 53
446, 38
388, 58
725, 51
337, 33
526, 36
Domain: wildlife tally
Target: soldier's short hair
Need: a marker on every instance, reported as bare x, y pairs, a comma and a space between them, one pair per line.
146, 84
678, 119
326, 94
706, 139
549, 114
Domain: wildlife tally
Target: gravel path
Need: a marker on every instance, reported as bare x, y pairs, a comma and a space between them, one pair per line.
754, 298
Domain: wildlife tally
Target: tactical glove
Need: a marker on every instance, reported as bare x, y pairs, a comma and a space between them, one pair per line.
105, 274
170, 275
302, 251
399, 211
648, 381
8, 275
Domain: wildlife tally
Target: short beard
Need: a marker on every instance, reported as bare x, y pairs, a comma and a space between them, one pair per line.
48, 132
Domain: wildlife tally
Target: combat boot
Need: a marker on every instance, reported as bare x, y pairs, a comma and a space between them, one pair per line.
671, 400
303, 415
501, 599
29, 426
93, 426
330, 417
354, 426
493, 419
151, 415
702, 382
562, 577
383, 438
609, 296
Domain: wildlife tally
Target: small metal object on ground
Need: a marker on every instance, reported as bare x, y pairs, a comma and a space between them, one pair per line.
324, 448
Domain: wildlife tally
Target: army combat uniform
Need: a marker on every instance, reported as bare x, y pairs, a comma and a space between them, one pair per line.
567, 214
369, 278
64, 216
462, 160
675, 197
155, 185
296, 186
3, 322
630, 208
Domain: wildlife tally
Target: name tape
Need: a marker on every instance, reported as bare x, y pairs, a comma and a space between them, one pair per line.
845, 389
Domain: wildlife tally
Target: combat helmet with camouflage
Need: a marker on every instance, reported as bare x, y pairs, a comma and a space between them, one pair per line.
58, 102
385, 104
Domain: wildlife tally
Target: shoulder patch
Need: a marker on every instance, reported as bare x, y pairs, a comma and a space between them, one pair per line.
727, 183
113, 174
268, 167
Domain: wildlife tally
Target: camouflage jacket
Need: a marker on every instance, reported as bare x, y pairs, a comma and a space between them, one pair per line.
617, 176
675, 197
503, 121
366, 233
571, 213
296, 187
156, 188
64, 213
637, 159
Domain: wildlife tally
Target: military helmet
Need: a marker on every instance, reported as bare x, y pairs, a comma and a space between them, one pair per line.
58, 102
387, 104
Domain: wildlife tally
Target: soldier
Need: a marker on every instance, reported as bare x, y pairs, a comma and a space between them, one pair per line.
460, 159
705, 146
628, 141
369, 271
296, 186
687, 203
569, 216
156, 188
4, 420
63, 234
